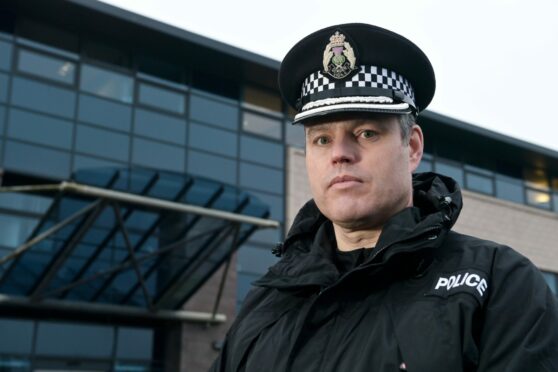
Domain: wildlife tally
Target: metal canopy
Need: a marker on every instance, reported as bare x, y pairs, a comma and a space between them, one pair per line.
133, 238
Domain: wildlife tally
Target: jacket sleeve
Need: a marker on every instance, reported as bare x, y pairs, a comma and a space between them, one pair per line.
520, 327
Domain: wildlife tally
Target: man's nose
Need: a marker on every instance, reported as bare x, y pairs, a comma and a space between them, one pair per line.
343, 150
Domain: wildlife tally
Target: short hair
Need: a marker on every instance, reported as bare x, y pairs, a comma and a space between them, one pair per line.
406, 122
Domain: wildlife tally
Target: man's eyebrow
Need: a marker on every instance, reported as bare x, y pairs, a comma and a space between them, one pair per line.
317, 128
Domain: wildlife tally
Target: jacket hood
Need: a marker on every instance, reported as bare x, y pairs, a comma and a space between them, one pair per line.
437, 203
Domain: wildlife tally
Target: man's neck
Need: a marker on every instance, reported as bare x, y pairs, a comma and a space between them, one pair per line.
348, 240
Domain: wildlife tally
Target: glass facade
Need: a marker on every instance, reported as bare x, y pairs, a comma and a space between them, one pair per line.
29, 345
62, 113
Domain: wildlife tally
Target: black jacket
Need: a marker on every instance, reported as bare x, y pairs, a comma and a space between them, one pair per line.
427, 299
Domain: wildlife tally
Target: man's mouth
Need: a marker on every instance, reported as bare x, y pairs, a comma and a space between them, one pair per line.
344, 179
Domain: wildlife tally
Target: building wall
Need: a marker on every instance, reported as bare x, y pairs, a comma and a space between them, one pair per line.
199, 342
529, 230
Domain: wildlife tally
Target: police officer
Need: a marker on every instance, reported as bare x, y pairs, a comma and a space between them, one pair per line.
372, 278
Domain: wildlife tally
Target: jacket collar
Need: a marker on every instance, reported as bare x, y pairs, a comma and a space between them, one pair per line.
308, 261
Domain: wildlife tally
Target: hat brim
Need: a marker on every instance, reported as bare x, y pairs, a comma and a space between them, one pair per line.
395, 108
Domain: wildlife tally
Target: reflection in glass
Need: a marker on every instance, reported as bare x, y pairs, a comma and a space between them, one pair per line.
538, 198
261, 125
45, 66
106, 83
536, 178
161, 98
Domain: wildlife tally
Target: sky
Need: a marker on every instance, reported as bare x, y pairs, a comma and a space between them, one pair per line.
496, 61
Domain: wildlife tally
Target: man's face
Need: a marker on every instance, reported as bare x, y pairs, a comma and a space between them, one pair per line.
360, 169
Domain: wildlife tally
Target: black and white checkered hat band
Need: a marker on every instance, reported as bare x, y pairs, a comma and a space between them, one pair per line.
368, 76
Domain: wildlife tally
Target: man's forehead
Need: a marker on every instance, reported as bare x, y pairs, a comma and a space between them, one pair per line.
383, 121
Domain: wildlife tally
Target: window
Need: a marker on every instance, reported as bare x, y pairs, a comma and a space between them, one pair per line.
15, 230
103, 112
158, 155
17, 337
262, 99
425, 165
80, 340
261, 178
276, 204
509, 188
164, 99
5, 55
2, 116
537, 198
479, 180
40, 129
550, 279
261, 151
134, 343
43, 97
294, 134
106, 83
212, 139
26, 202
536, 178
262, 125
213, 112
47, 67
244, 284
267, 236
215, 167
37, 160
3, 87
452, 170
102, 142
158, 126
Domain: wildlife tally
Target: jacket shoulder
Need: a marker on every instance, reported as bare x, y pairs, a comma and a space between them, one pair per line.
473, 249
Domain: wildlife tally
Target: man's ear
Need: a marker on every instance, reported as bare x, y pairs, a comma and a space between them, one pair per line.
416, 147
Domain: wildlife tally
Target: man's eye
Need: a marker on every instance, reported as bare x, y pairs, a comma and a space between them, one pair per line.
322, 140
368, 134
